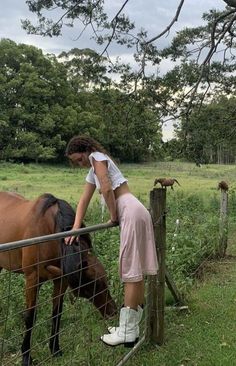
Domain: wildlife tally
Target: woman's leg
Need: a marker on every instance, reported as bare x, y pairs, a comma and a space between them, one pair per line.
134, 294
127, 332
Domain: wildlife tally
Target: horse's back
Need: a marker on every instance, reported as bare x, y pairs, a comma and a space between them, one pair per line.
7, 198
17, 214
21, 219
13, 209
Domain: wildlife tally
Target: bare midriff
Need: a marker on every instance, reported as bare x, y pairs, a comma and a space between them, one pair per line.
122, 189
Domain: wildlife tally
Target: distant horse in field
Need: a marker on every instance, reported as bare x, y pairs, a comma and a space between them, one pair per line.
165, 182
74, 266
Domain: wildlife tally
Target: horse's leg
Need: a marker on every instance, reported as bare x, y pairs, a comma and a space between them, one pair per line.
31, 292
58, 294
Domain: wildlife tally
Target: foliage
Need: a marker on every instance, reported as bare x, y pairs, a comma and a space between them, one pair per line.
204, 69
45, 102
197, 46
200, 65
90, 12
34, 95
85, 69
209, 135
192, 236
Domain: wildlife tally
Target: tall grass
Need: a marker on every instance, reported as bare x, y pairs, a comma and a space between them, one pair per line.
192, 235
194, 205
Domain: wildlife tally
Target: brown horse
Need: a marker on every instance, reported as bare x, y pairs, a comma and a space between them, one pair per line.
165, 182
74, 266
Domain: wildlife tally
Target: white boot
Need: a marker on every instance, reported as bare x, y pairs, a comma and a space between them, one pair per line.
127, 330
139, 317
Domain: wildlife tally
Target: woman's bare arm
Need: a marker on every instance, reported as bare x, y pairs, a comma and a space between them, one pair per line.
101, 171
82, 208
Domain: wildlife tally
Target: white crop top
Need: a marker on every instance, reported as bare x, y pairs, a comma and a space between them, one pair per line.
114, 173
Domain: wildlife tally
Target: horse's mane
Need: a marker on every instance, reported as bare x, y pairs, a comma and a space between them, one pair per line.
72, 255
66, 220
65, 216
48, 201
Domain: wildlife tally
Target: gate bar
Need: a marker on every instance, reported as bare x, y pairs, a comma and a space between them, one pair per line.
41, 239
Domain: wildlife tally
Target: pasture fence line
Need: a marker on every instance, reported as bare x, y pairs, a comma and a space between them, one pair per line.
154, 324
223, 225
155, 291
156, 302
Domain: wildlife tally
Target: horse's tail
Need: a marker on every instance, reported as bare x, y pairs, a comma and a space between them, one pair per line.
176, 181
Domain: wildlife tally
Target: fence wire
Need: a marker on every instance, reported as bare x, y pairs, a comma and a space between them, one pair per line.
81, 324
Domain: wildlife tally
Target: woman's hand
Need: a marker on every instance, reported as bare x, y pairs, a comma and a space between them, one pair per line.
69, 239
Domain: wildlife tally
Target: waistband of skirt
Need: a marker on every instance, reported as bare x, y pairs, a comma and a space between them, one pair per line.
125, 196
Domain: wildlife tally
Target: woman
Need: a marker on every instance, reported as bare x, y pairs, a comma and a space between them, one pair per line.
137, 246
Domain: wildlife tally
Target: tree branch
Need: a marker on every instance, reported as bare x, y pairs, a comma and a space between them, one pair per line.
170, 25
207, 59
231, 3
114, 23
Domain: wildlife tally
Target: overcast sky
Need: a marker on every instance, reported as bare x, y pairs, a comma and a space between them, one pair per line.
152, 15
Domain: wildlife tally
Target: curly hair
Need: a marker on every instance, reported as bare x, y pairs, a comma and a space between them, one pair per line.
83, 144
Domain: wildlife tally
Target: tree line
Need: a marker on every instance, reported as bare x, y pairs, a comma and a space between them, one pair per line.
45, 100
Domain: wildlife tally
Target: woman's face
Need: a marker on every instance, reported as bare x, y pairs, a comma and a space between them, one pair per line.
80, 159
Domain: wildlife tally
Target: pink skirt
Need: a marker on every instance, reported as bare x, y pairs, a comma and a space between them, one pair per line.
137, 245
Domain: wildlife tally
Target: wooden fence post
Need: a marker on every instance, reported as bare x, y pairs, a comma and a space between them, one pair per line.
223, 226
156, 284
173, 289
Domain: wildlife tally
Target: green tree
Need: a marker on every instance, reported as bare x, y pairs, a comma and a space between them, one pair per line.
45, 102
209, 134
130, 129
32, 85
86, 69
206, 60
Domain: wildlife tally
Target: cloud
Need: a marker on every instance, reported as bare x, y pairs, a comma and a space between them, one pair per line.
153, 16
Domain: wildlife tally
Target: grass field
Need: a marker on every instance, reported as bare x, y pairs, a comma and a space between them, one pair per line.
67, 183
195, 203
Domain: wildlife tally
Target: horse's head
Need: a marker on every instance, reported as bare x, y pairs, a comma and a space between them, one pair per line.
159, 180
87, 277
85, 273
94, 286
